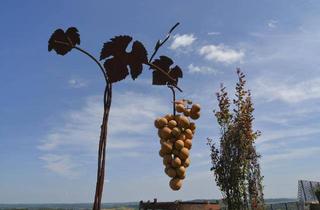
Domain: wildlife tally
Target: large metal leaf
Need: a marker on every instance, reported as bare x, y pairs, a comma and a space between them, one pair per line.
116, 66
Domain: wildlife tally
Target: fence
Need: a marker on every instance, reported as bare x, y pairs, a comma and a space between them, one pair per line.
283, 206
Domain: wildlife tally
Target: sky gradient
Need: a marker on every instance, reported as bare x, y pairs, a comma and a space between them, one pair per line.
50, 106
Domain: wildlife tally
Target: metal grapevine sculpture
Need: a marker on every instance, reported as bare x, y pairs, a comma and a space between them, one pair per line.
118, 64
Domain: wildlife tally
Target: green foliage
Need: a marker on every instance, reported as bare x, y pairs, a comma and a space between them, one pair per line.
317, 192
235, 163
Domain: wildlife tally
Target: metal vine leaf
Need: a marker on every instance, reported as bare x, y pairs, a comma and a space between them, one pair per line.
158, 78
117, 65
62, 42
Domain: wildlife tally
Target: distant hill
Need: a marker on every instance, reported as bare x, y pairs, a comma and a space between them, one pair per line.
110, 206
67, 206
267, 201
279, 200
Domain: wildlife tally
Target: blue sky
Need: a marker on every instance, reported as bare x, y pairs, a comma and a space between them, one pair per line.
50, 106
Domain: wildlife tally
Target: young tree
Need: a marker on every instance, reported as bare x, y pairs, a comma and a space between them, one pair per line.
235, 163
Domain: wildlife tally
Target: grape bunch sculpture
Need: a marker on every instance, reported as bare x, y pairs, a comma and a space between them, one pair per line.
176, 134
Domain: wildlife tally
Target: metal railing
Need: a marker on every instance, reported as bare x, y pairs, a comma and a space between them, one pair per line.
283, 206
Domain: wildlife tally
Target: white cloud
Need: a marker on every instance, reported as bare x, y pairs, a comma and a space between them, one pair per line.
283, 135
291, 154
201, 69
289, 92
272, 23
221, 53
83, 126
182, 41
60, 164
131, 115
127, 154
213, 33
285, 118
77, 83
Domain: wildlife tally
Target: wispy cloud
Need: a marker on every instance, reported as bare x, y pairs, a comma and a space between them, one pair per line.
77, 83
201, 69
183, 40
221, 53
272, 23
285, 118
291, 154
214, 33
131, 115
287, 134
287, 91
60, 164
